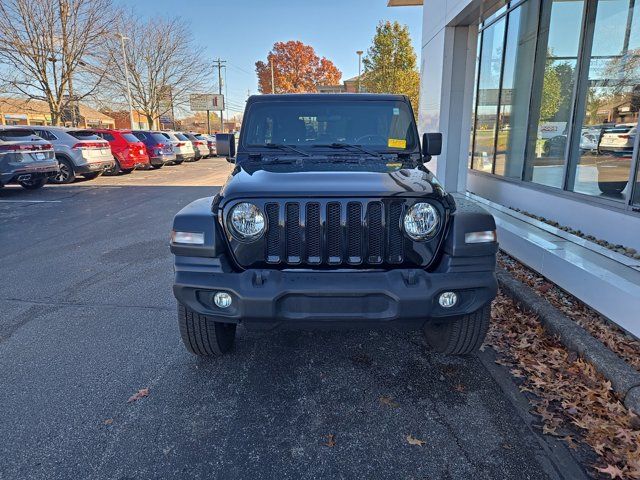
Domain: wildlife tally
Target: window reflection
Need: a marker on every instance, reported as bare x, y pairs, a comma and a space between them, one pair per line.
612, 99
560, 38
516, 86
487, 100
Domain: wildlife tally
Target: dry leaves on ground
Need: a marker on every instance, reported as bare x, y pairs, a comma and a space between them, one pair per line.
331, 440
572, 399
411, 440
143, 392
617, 340
389, 401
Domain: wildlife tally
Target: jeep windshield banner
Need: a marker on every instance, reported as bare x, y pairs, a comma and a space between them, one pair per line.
382, 125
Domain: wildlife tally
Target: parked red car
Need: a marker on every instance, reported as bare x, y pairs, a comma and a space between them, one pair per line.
129, 152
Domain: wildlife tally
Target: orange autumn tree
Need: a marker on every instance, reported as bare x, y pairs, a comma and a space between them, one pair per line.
296, 69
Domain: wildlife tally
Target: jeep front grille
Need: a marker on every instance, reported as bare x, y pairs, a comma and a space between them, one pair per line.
334, 233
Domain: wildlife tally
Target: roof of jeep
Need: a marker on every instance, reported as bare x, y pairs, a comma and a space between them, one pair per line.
292, 97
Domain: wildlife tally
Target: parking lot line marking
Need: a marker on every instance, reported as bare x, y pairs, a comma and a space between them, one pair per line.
30, 201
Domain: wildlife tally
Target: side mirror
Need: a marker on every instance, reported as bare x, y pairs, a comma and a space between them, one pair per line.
431, 145
226, 146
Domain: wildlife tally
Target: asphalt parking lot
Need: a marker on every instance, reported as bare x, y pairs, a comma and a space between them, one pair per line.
88, 319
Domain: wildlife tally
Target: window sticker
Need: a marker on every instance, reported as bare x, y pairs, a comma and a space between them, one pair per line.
397, 143
396, 111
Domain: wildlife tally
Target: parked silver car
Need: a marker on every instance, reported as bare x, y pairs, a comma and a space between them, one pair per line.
200, 146
182, 146
25, 158
210, 141
78, 151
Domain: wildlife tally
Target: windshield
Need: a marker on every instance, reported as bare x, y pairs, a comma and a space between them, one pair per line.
382, 125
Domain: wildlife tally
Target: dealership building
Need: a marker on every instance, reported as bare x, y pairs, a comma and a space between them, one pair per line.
538, 102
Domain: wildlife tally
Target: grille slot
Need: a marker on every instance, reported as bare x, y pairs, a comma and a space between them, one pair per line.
292, 232
376, 233
313, 232
395, 235
334, 237
273, 232
354, 232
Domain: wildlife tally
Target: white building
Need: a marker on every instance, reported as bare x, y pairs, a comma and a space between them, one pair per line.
538, 101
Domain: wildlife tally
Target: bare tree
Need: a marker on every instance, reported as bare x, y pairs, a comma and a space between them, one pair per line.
49, 50
164, 65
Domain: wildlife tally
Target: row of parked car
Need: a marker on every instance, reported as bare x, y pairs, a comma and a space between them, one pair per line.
34, 155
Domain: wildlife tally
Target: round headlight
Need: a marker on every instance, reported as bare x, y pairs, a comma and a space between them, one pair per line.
247, 221
421, 221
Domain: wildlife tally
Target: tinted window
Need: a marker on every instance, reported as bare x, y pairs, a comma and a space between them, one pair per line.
382, 124
159, 137
47, 135
108, 137
16, 134
140, 135
180, 136
131, 138
84, 135
166, 135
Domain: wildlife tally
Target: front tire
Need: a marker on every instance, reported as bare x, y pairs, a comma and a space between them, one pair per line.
460, 335
66, 173
92, 175
115, 170
33, 184
157, 166
202, 336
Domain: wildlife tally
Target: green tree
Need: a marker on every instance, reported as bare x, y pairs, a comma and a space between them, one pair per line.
390, 65
551, 93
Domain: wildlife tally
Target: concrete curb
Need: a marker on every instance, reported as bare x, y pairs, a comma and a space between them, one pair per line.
625, 380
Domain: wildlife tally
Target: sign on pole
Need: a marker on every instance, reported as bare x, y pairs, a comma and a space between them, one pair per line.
202, 102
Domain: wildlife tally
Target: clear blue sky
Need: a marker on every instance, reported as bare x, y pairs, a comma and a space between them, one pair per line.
243, 31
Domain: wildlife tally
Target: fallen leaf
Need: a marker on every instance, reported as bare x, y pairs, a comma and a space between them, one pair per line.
612, 471
108, 421
143, 392
415, 441
331, 440
460, 388
389, 402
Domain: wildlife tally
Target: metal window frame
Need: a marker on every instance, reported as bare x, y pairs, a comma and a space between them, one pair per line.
573, 129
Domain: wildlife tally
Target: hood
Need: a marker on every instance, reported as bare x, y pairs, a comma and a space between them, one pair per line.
261, 183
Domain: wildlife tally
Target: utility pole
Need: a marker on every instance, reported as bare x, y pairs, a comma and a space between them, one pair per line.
126, 74
359, 52
273, 82
220, 63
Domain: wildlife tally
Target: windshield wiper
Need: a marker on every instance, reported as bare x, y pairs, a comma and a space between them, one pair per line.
347, 146
283, 146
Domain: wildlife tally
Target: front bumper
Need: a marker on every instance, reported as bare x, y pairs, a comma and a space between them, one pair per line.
349, 299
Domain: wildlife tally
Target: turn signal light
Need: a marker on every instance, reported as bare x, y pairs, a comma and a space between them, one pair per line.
487, 236
187, 238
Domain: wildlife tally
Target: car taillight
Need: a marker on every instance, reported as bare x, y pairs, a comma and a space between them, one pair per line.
25, 147
180, 144
624, 136
89, 145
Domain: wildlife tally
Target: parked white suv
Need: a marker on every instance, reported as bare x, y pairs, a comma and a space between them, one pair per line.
78, 151
182, 146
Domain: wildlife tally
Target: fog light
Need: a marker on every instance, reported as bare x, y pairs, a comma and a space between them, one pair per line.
222, 300
448, 299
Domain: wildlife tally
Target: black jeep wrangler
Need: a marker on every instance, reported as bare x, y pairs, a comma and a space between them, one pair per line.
330, 218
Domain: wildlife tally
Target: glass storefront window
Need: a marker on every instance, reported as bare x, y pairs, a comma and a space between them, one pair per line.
559, 41
487, 98
610, 103
515, 89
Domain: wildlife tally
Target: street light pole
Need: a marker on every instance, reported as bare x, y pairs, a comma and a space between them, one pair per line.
273, 82
126, 73
359, 52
